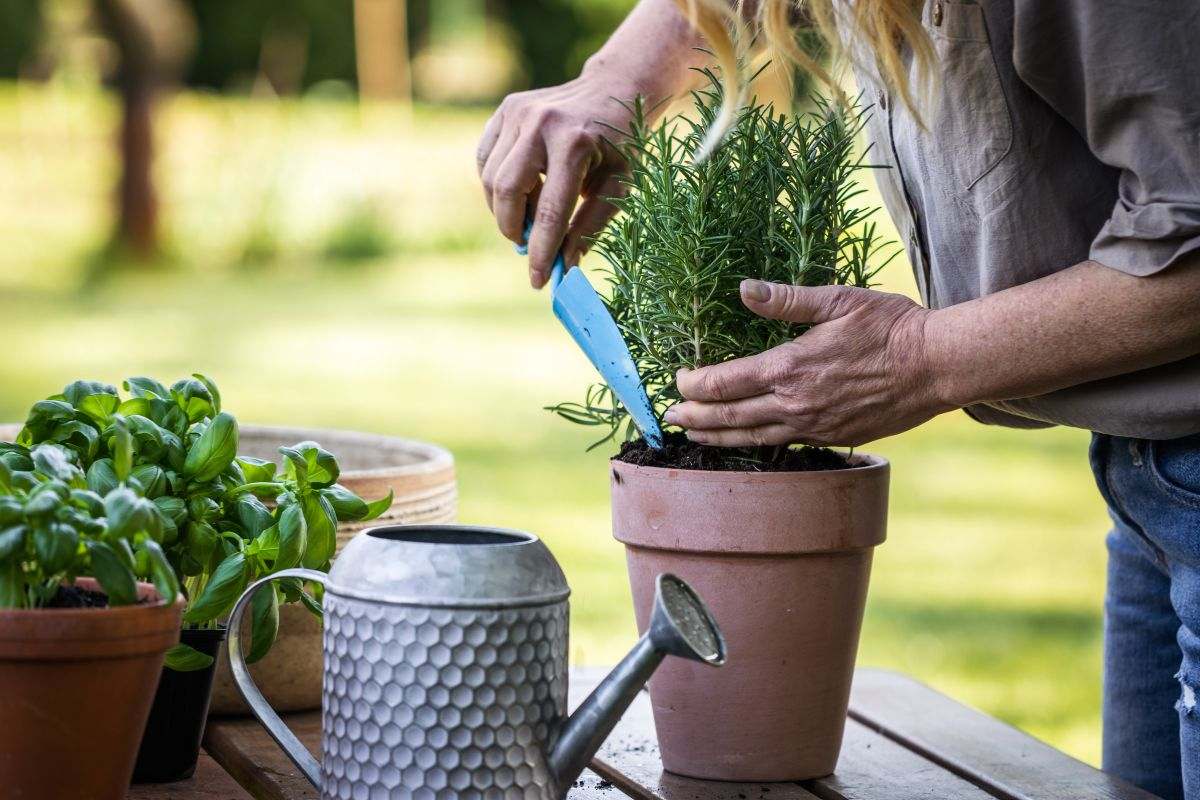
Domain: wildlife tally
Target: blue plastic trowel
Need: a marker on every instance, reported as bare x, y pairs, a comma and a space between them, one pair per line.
582, 312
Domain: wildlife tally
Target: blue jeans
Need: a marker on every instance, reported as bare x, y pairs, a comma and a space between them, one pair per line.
1152, 612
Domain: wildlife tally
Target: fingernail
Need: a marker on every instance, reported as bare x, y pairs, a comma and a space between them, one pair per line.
758, 291
671, 416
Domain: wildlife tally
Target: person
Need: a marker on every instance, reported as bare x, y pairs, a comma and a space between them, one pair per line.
1045, 178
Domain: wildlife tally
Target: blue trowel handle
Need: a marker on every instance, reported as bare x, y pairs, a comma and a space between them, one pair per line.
560, 266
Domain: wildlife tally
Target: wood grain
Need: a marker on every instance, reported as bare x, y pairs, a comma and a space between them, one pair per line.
243, 747
1010, 764
210, 782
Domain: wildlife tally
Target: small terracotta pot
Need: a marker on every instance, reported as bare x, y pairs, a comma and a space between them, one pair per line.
782, 559
75, 690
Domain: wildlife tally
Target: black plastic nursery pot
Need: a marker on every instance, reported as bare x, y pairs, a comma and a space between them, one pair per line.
171, 743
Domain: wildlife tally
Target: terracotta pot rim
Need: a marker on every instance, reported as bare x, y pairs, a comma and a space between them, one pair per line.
866, 464
435, 457
90, 583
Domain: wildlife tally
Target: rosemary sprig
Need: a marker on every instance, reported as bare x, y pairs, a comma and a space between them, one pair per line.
776, 201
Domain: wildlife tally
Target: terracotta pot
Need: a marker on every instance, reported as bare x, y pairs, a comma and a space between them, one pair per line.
782, 559
426, 491
75, 690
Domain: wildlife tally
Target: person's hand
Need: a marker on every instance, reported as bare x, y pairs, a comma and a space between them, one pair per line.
859, 373
560, 132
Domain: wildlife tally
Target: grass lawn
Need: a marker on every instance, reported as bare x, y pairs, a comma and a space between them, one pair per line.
989, 586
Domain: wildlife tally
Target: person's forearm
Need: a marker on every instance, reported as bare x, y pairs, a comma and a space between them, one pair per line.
650, 54
1082, 324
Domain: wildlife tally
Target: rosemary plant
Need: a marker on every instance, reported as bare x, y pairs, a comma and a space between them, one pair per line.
776, 202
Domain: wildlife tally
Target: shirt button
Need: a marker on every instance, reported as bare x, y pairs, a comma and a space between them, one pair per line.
937, 13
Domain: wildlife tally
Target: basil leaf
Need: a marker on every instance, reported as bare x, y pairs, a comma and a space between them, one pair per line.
101, 477
160, 572
121, 448
293, 537
128, 515
182, 658
257, 470
193, 399
145, 387
53, 461
321, 522
213, 394
320, 467
44, 417
114, 577
264, 622
12, 542
12, 586
55, 546
99, 407
152, 478
346, 504
252, 515
201, 541
12, 511
214, 450
377, 507
89, 501
173, 508
80, 437
75, 393
227, 583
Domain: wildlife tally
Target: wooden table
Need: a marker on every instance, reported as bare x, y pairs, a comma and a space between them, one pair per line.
904, 741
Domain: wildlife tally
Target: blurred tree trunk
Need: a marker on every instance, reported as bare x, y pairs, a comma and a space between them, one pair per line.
381, 50
151, 38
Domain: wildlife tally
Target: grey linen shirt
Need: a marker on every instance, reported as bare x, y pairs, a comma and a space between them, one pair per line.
1059, 131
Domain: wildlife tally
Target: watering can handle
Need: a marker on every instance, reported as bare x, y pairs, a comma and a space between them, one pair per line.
282, 735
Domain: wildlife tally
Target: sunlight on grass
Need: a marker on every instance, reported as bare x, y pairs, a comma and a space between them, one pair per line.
989, 586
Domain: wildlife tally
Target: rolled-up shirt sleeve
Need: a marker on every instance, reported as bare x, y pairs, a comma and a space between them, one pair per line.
1125, 74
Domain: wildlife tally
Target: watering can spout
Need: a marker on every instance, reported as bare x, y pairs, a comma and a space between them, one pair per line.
680, 625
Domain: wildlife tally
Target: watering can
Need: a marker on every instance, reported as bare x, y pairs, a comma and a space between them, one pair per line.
446, 667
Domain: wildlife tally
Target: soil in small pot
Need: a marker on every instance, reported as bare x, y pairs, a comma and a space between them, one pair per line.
77, 597
678, 452
171, 742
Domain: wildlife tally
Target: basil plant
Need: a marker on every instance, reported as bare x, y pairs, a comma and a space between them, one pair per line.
226, 520
53, 528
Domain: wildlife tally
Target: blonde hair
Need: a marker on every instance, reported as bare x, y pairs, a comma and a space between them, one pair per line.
887, 27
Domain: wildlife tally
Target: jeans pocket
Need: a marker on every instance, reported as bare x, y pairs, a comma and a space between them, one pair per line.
1175, 467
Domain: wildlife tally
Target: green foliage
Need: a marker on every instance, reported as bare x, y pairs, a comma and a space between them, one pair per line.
776, 202
150, 486
359, 236
53, 528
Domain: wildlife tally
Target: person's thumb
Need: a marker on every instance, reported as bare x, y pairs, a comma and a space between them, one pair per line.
805, 305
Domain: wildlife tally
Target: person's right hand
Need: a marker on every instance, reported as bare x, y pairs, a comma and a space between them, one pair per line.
562, 133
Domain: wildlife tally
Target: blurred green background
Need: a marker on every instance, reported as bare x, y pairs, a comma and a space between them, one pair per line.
330, 261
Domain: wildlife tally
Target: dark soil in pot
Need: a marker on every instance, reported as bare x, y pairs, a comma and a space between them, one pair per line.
679, 452
77, 597
171, 743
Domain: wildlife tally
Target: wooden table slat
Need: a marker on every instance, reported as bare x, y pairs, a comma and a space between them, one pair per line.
1010, 764
210, 782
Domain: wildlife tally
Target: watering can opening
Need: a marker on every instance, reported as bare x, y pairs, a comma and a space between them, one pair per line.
683, 625
451, 535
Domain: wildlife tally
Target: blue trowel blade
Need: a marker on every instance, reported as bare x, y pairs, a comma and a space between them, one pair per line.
582, 312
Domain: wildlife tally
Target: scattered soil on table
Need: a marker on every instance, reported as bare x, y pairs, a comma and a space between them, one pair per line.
75, 597
680, 453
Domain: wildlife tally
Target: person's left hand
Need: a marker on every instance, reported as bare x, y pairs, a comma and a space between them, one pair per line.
861, 372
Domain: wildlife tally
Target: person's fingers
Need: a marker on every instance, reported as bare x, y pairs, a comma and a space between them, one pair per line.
517, 178
552, 214
760, 436
495, 160
487, 141
751, 412
801, 304
732, 380
590, 218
